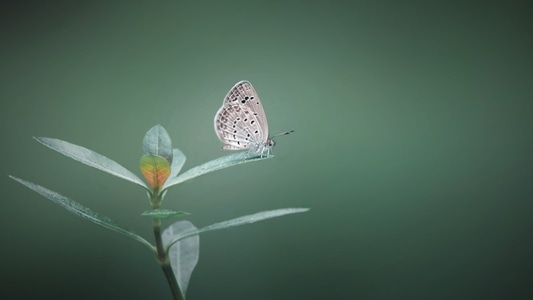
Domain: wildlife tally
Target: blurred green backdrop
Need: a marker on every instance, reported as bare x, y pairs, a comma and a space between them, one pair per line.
413, 146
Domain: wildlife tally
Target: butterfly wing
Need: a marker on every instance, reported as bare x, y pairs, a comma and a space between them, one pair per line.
243, 93
229, 128
241, 122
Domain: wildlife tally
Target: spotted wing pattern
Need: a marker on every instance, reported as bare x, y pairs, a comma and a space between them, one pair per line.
241, 121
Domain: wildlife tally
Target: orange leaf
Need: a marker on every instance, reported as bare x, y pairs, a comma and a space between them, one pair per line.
155, 169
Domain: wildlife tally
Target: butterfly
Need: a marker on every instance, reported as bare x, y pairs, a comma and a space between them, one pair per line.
241, 123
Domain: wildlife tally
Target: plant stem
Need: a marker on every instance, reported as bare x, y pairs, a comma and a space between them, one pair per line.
164, 261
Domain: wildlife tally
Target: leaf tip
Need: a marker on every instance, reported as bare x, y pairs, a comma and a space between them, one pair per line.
41, 140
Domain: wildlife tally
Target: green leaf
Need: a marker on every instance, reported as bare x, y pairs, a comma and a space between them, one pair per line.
91, 158
156, 141
217, 164
178, 160
183, 254
260, 216
83, 212
163, 213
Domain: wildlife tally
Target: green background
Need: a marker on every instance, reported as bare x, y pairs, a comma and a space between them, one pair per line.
413, 146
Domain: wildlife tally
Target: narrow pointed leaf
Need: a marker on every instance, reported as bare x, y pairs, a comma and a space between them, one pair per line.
155, 170
83, 212
183, 254
219, 163
156, 141
178, 160
260, 216
163, 213
90, 158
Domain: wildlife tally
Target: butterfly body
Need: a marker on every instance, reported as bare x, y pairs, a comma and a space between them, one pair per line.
241, 123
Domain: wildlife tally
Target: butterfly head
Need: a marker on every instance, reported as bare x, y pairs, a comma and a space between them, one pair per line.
270, 143
264, 148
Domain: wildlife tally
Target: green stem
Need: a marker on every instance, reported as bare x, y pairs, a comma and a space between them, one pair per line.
163, 259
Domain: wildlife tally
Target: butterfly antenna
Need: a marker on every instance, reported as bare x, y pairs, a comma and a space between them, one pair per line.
283, 133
